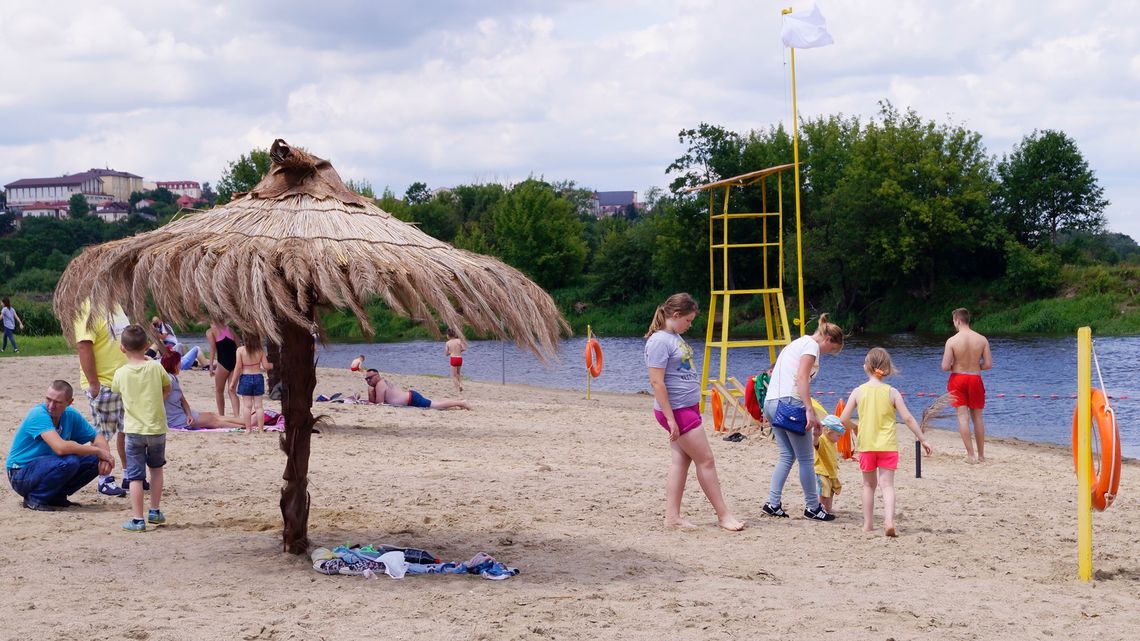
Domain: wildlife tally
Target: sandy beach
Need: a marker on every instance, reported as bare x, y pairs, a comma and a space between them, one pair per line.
571, 492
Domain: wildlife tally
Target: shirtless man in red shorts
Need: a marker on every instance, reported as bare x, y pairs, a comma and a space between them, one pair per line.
967, 354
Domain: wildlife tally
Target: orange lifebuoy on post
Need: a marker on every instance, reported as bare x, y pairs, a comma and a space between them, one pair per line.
1106, 475
846, 444
718, 412
594, 357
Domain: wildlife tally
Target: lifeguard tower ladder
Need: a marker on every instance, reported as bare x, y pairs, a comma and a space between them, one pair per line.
770, 250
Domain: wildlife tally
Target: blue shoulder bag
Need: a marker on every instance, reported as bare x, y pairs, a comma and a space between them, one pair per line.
790, 417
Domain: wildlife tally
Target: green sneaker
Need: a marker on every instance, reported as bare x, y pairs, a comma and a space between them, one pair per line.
156, 517
134, 525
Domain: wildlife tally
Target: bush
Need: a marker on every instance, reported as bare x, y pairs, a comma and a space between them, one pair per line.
36, 279
1030, 273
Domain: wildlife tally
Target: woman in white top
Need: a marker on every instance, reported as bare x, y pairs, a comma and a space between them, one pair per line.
791, 384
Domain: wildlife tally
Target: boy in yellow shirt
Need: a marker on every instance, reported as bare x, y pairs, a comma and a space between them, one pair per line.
143, 385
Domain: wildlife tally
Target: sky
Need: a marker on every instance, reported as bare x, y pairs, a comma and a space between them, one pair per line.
454, 92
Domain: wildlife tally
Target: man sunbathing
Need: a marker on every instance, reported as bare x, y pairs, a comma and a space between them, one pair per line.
381, 391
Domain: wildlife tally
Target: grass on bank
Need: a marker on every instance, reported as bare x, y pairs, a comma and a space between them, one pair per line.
38, 346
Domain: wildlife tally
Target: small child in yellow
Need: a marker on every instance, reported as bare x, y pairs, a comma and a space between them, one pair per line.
827, 461
144, 386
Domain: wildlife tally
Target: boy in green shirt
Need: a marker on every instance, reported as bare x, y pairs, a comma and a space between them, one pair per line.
144, 386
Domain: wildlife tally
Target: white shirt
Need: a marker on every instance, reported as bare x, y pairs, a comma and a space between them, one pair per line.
783, 383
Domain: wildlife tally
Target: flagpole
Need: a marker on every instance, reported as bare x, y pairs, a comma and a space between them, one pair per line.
796, 172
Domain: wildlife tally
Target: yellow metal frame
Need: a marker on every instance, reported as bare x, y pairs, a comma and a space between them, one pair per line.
771, 221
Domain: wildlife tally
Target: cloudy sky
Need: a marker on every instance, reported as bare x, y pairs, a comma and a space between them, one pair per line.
461, 91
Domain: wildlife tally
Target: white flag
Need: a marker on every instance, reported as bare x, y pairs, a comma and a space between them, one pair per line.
805, 30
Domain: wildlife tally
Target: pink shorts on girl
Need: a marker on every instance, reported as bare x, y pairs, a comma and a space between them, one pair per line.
868, 461
688, 418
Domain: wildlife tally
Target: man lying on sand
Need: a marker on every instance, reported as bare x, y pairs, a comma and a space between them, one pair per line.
381, 391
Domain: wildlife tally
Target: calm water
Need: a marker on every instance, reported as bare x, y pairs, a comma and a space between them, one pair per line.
1040, 367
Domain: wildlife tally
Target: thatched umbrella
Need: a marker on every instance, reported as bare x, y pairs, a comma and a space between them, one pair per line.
267, 261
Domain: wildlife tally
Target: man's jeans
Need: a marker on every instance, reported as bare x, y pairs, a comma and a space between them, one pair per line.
51, 479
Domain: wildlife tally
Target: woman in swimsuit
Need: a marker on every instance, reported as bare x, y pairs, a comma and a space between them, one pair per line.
223, 359
250, 385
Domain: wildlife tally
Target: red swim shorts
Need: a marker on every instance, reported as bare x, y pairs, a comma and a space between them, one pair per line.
868, 461
688, 418
969, 390
456, 361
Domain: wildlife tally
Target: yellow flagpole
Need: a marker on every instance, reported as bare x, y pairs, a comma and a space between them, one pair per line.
796, 171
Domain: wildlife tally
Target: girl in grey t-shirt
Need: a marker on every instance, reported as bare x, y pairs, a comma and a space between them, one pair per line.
676, 405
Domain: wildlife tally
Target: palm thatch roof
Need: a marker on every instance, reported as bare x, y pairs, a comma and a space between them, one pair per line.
301, 239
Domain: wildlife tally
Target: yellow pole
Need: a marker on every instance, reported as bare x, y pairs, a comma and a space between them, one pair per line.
589, 335
796, 160
1084, 454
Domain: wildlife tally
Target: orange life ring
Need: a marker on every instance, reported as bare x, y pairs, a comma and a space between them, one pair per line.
718, 412
594, 357
1105, 478
846, 444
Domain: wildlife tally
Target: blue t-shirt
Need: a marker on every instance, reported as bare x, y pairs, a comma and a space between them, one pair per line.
28, 445
670, 352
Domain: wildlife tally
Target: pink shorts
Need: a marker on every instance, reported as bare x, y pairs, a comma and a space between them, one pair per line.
868, 461
688, 418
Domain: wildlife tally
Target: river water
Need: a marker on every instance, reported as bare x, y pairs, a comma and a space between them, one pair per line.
1030, 391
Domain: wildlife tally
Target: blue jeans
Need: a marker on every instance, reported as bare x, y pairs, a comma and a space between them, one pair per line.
793, 448
189, 358
8, 336
50, 479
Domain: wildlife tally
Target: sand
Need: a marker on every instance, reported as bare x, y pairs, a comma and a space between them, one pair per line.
571, 492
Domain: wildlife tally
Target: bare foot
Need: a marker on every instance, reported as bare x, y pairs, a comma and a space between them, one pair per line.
971, 460
890, 531
867, 528
731, 524
681, 524
981, 459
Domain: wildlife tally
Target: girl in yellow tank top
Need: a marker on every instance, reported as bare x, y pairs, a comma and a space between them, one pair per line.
878, 443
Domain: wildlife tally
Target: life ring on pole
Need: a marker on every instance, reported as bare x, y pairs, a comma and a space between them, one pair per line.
718, 412
594, 357
1105, 479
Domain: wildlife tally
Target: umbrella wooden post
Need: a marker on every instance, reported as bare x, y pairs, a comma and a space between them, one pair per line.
298, 380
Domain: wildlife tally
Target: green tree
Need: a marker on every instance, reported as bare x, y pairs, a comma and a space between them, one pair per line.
417, 194
362, 187
539, 233
77, 206
910, 209
438, 217
623, 262
243, 174
1047, 186
208, 193
713, 153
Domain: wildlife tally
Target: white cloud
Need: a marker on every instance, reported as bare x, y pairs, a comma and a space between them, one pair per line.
593, 91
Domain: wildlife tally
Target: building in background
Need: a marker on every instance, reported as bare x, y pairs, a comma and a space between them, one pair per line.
56, 209
189, 188
610, 203
100, 187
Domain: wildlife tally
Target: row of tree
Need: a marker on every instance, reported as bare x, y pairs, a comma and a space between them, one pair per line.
895, 208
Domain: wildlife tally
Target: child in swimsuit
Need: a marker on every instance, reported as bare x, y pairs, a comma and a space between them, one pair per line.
251, 361
454, 349
878, 444
357, 363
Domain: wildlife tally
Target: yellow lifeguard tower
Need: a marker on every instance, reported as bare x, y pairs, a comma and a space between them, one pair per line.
769, 251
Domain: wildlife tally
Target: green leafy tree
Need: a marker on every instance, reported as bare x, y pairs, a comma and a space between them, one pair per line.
362, 187
911, 209
622, 265
243, 174
713, 153
438, 217
417, 194
208, 193
1046, 187
77, 206
539, 233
